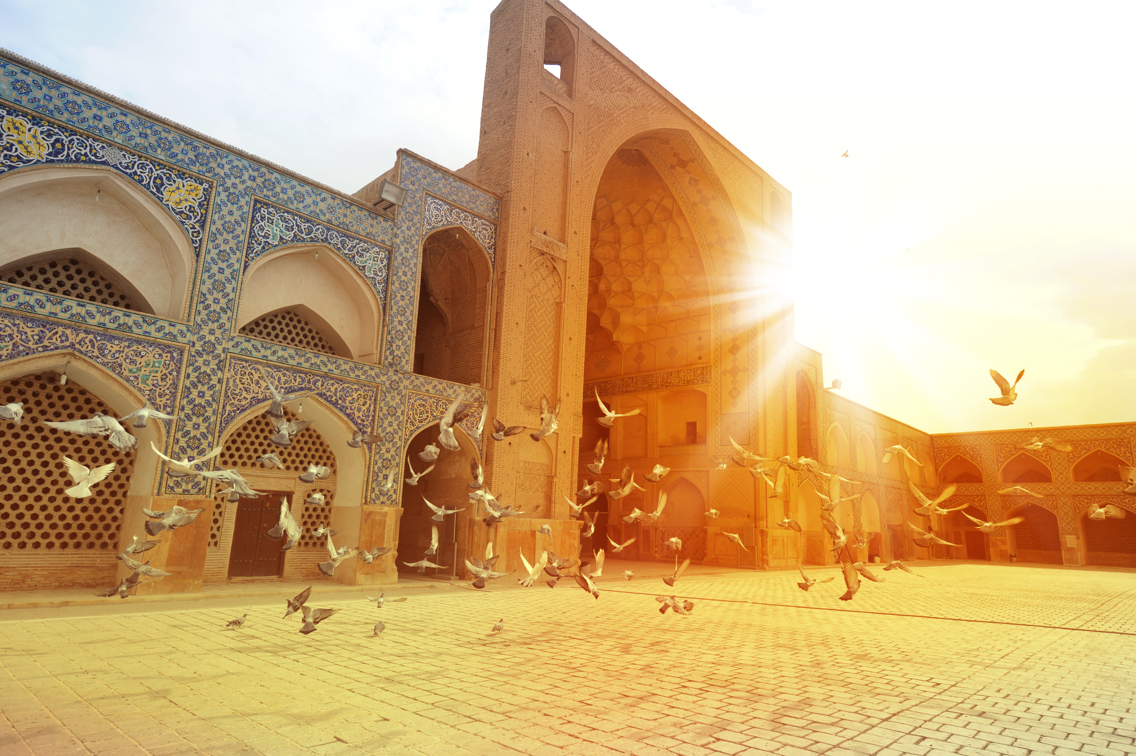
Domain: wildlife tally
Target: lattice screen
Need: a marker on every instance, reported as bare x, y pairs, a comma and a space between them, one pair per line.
1111, 536
218, 523
70, 277
290, 328
542, 330
1038, 532
34, 511
314, 516
250, 441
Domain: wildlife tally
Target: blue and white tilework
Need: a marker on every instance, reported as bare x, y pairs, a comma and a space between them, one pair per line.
205, 369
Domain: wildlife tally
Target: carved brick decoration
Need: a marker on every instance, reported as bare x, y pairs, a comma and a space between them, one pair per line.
542, 330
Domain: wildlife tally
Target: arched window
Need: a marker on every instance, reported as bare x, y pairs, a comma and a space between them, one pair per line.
453, 308
870, 513
866, 455
559, 52
1096, 467
836, 446
94, 235
960, 470
1025, 468
806, 416
1110, 542
311, 298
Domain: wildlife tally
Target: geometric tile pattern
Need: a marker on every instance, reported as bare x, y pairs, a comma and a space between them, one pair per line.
440, 214
26, 140
149, 367
272, 227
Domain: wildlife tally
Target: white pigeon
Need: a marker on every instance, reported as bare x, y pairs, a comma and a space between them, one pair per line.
317, 498
176, 517
1013, 490
234, 479
618, 547
1036, 443
736, 539
628, 574
358, 439
455, 413
1009, 393
422, 564
896, 450
988, 527
928, 507
576, 509
625, 484
142, 414
589, 526
84, 477
545, 529
598, 571
1129, 475
549, 421
712, 514
322, 530
430, 453
719, 462
315, 472
532, 571
440, 512
335, 557
1107, 511
433, 540
674, 544
388, 479
599, 455
13, 412
809, 582
658, 472
179, 468
608, 419
99, 425
285, 526
414, 477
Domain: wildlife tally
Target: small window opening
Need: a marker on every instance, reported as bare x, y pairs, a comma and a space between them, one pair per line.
553, 68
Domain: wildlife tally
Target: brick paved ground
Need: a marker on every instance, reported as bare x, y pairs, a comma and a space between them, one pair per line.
971, 659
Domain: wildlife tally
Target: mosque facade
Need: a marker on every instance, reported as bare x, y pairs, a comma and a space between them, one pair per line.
605, 242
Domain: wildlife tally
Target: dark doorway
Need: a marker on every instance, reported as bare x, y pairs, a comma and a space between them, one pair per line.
899, 548
976, 545
875, 547
254, 554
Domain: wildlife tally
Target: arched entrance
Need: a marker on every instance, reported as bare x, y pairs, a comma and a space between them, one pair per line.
445, 486
48, 538
1037, 538
959, 529
1110, 542
685, 518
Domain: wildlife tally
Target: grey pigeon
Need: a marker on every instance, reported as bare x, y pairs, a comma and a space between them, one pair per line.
359, 439
286, 430
285, 525
238, 623
295, 604
898, 565
313, 617
316, 472
502, 431
276, 409
371, 555
382, 599
176, 517
316, 498
270, 460
430, 453
499, 625
549, 419
379, 627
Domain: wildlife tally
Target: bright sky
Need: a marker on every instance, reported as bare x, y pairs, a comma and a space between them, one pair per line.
985, 218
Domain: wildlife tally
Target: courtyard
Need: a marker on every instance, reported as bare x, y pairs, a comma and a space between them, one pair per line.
967, 658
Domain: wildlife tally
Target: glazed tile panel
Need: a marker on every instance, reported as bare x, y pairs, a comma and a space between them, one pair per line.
235, 209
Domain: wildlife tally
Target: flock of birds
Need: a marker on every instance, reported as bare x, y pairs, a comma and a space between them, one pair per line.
550, 567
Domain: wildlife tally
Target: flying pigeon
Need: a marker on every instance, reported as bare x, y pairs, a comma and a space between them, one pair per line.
13, 412
532, 571
925, 539
988, 527
84, 477
285, 525
422, 564
789, 525
370, 555
896, 450
142, 414
176, 517
358, 438
430, 453
628, 574
658, 472
929, 507
270, 460
618, 547
1008, 392
138, 547
234, 479
476, 473
712, 513
316, 498
736, 539
809, 582
1036, 443
276, 409
335, 558
286, 430
501, 431
455, 413
294, 604
382, 599
316, 472
600, 453
313, 617
415, 477
625, 483
548, 419
1020, 490
898, 565
577, 509
609, 416
440, 512
1107, 511
99, 425
679, 569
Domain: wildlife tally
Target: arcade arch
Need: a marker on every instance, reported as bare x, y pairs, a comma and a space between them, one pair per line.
1110, 542
1037, 538
836, 447
321, 293
110, 226
1098, 466
1025, 468
866, 455
959, 469
454, 294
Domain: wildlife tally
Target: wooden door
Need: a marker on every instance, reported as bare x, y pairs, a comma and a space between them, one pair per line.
976, 545
254, 554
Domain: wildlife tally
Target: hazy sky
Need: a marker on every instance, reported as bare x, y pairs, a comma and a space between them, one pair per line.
986, 216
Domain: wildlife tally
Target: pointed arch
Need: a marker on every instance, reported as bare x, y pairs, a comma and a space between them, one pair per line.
870, 513
836, 447
959, 469
1025, 468
129, 234
560, 52
317, 281
1110, 542
866, 461
455, 294
1038, 537
1098, 466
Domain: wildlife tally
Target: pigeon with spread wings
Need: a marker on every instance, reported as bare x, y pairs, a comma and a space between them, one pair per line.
286, 430
609, 416
809, 582
502, 431
99, 425
549, 419
142, 414
1009, 393
279, 399
928, 507
84, 477
286, 525
596, 466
